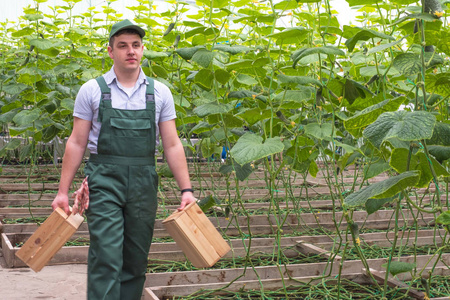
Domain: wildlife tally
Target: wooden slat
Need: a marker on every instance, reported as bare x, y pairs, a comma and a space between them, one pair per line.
394, 283
308, 248
294, 270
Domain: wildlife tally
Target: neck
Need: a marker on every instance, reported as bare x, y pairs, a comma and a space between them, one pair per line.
127, 78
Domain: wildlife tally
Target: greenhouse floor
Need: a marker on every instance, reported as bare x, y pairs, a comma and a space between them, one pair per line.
62, 282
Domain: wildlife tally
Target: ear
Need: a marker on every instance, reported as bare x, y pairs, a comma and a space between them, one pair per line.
110, 52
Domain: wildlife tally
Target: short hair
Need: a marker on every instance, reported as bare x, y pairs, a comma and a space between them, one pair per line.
124, 31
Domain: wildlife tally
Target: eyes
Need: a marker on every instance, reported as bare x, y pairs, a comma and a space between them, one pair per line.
124, 45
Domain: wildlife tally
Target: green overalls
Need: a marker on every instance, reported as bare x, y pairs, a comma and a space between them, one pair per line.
122, 190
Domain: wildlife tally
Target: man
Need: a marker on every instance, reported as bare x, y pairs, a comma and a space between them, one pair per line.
117, 117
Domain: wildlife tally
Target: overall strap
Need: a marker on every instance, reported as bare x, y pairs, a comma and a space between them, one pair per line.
106, 95
150, 92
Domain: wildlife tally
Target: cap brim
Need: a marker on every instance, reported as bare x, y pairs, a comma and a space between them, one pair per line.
140, 31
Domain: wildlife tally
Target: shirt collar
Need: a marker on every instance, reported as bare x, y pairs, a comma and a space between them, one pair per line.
111, 76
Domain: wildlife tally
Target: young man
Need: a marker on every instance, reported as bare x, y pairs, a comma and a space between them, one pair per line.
117, 117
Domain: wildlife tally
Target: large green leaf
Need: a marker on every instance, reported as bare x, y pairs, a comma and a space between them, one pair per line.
319, 131
240, 64
187, 53
222, 76
438, 84
150, 54
246, 94
29, 79
302, 80
41, 44
68, 103
444, 218
26, 117
250, 147
421, 16
212, 108
246, 79
286, 5
411, 63
242, 172
208, 202
328, 50
294, 95
204, 78
209, 147
375, 169
383, 189
290, 35
6, 117
203, 57
201, 127
361, 2
404, 125
228, 118
33, 17
383, 47
232, 49
193, 32
253, 115
419, 161
364, 34
22, 32
11, 145
441, 153
369, 115
441, 135
14, 88
374, 205
398, 267
215, 3
439, 39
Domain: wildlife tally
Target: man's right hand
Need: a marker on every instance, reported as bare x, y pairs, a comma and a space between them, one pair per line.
62, 201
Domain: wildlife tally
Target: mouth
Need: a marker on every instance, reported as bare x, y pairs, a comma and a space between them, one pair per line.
131, 60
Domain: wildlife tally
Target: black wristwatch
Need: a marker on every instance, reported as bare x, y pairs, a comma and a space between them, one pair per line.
186, 190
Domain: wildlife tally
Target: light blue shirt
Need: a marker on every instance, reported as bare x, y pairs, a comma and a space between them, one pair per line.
88, 100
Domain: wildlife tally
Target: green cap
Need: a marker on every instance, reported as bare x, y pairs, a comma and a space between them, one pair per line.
126, 24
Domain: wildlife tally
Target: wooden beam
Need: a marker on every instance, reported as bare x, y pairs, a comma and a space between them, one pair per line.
308, 248
268, 283
294, 270
170, 291
394, 283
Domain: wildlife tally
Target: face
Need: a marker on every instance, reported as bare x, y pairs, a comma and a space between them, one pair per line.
126, 52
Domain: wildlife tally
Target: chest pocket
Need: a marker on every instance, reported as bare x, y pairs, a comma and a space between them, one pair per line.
130, 127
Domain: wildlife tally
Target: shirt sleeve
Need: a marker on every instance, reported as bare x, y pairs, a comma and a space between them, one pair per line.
167, 111
83, 107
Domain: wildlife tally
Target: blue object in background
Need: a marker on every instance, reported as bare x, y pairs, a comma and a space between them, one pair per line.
224, 152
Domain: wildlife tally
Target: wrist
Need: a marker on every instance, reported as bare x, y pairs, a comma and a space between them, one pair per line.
190, 190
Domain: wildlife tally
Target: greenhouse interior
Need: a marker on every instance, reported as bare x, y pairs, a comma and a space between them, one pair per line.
224, 149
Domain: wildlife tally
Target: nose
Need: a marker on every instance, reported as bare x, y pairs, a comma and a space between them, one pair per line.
130, 50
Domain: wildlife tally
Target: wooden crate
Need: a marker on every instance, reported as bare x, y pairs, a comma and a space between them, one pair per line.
194, 233
48, 239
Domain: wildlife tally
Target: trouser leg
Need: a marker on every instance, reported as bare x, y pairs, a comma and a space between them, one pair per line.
105, 220
139, 217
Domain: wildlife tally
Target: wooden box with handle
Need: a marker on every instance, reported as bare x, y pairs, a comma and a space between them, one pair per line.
48, 239
197, 237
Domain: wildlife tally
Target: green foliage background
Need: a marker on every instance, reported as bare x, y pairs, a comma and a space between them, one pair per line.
296, 96
242, 81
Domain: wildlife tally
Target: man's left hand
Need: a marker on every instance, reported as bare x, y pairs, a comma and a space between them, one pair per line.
186, 198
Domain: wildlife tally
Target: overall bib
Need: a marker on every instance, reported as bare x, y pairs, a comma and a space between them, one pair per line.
122, 187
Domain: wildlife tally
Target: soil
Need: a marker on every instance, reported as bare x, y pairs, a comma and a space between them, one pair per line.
63, 282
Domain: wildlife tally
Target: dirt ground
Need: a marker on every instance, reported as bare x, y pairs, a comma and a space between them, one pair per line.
64, 282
